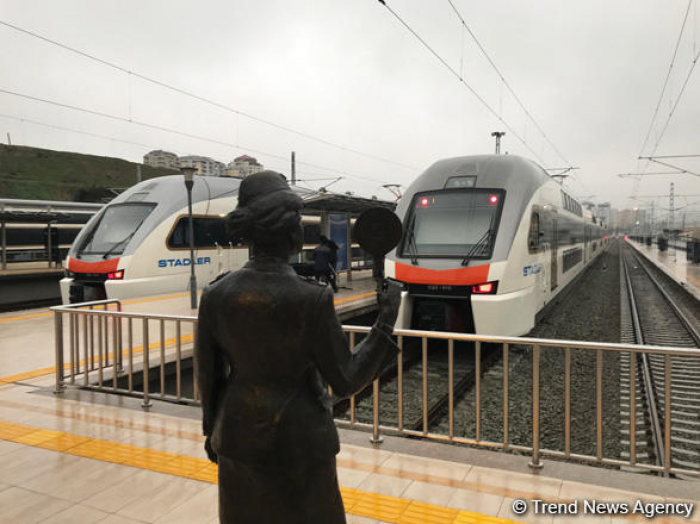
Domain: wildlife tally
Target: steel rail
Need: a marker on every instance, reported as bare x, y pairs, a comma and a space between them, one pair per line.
694, 334
648, 382
441, 406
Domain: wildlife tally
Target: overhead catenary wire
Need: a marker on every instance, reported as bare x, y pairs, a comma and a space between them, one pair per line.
181, 133
505, 82
208, 101
668, 76
462, 81
675, 104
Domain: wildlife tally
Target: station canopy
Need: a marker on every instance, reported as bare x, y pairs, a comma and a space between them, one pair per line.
340, 203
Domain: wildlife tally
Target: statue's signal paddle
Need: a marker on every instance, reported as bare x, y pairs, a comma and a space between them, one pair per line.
378, 231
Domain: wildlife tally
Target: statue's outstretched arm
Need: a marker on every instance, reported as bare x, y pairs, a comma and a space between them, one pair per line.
346, 369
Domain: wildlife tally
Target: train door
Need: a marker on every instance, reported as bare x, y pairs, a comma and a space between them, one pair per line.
554, 248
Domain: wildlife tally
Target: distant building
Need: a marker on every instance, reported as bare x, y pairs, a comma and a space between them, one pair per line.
160, 158
243, 166
204, 165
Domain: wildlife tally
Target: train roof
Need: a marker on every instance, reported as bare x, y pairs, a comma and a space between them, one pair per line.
492, 171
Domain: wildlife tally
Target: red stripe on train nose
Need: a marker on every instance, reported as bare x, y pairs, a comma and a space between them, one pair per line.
465, 276
106, 266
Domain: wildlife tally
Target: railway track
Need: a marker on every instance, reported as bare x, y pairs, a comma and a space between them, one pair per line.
659, 316
420, 392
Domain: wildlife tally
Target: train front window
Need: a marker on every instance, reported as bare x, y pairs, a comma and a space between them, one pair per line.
115, 228
453, 224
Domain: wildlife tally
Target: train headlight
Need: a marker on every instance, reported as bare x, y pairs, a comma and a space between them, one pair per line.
487, 288
116, 275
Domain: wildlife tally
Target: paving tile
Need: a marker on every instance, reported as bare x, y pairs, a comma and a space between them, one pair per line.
351, 478
385, 485
118, 519
475, 502
76, 514
27, 462
426, 468
517, 485
119, 495
52, 480
6, 446
429, 493
20, 506
149, 507
366, 456
354, 519
86, 486
202, 507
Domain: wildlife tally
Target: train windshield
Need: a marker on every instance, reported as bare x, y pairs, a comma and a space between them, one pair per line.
115, 228
453, 224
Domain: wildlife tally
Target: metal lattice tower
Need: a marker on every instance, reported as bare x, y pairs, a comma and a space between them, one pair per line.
671, 201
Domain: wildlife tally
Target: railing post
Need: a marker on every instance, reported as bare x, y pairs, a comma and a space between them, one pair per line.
477, 382
424, 348
352, 397
399, 378
58, 342
119, 338
599, 404
536, 464
146, 400
633, 407
506, 386
376, 437
451, 388
71, 350
667, 414
567, 402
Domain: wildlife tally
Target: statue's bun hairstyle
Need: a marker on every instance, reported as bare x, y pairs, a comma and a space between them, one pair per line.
267, 211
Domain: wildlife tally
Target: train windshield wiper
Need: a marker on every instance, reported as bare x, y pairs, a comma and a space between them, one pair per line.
480, 247
122, 241
413, 249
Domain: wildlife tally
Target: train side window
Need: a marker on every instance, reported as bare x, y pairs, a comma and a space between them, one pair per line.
534, 237
208, 233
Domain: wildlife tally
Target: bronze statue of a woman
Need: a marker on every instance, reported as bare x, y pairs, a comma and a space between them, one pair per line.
266, 342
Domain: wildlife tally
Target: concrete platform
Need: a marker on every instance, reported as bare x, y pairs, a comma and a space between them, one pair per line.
85, 457
27, 337
672, 262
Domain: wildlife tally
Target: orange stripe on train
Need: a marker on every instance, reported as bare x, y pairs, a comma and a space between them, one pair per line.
106, 266
465, 276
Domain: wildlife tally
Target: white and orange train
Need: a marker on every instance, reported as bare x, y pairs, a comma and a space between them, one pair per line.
489, 241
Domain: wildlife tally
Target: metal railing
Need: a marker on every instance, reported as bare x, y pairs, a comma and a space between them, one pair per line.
98, 373
96, 351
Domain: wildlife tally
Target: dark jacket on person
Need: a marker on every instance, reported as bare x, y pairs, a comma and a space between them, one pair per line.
279, 336
324, 258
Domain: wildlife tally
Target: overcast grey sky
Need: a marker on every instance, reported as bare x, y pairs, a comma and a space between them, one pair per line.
347, 71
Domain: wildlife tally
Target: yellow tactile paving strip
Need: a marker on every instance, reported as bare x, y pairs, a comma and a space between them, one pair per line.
361, 503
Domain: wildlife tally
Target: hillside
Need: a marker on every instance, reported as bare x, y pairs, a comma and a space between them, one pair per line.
43, 174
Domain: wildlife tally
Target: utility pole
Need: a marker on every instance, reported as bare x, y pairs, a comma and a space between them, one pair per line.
498, 135
671, 221
138, 173
294, 169
9, 140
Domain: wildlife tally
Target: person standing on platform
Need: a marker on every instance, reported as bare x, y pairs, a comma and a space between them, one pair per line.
325, 259
268, 342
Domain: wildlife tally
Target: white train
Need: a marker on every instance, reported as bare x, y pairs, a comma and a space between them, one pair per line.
138, 244
489, 241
